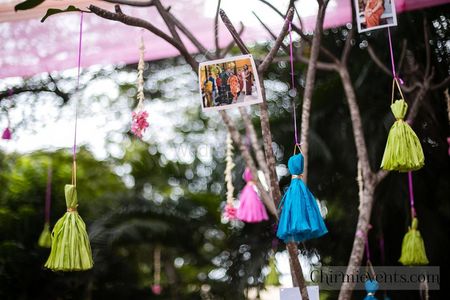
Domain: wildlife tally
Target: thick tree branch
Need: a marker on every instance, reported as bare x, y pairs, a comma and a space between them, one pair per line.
237, 39
231, 44
168, 20
278, 42
202, 49
136, 22
216, 29
309, 85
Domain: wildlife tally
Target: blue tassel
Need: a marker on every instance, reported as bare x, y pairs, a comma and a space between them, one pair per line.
300, 218
371, 288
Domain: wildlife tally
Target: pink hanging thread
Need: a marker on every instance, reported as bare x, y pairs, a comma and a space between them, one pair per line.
251, 209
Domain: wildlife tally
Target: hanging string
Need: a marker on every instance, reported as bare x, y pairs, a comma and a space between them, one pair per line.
391, 51
411, 195
74, 167
48, 195
291, 58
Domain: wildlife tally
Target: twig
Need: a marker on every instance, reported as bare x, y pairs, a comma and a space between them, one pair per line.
132, 3
249, 162
216, 29
137, 22
278, 42
226, 21
309, 86
231, 44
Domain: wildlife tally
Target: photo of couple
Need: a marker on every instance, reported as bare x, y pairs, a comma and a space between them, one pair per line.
229, 83
375, 14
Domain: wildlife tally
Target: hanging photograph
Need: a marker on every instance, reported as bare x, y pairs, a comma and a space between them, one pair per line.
375, 14
229, 82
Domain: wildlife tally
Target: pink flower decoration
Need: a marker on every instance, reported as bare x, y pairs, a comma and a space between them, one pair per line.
156, 289
139, 123
6, 134
230, 212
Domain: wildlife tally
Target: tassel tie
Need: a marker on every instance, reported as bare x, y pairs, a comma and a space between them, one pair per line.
371, 287
251, 209
300, 218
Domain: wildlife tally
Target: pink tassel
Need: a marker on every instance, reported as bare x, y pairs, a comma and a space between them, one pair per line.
139, 123
6, 134
156, 289
251, 209
230, 212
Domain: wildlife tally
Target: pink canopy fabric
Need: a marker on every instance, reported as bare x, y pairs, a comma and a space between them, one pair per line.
30, 47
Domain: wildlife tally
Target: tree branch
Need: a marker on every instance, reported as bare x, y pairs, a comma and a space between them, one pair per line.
216, 29
278, 42
249, 162
231, 44
136, 22
132, 3
255, 144
309, 86
237, 39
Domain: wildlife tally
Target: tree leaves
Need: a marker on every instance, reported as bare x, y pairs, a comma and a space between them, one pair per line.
54, 11
28, 4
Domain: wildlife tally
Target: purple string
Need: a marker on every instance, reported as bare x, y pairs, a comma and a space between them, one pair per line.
48, 194
382, 249
367, 247
391, 51
411, 194
291, 55
78, 85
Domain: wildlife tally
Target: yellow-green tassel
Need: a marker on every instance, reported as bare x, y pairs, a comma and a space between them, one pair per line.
272, 277
403, 150
71, 250
45, 239
413, 248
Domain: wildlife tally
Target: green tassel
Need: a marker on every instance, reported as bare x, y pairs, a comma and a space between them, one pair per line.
413, 248
272, 277
71, 250
45, 239
403, 150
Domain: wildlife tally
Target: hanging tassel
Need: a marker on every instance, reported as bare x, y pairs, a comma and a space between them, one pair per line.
45, 240
403, 150
371, 287
413, 248
300, 218
230, 212
272, 279
6, 134
251, 209
71, 250
156, 286
139, 117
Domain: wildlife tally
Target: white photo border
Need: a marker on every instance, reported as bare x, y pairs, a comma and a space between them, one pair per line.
358, 23
226, 60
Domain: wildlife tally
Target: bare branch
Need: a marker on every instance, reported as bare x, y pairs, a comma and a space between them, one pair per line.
132, 2
402, 55
136, 22
377, 61
347, 47
168, 20
249, 162
278, 42
233, 32
444, 83
255, 144
310, 82
216, 29
231, 44
202, 49
285, 48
